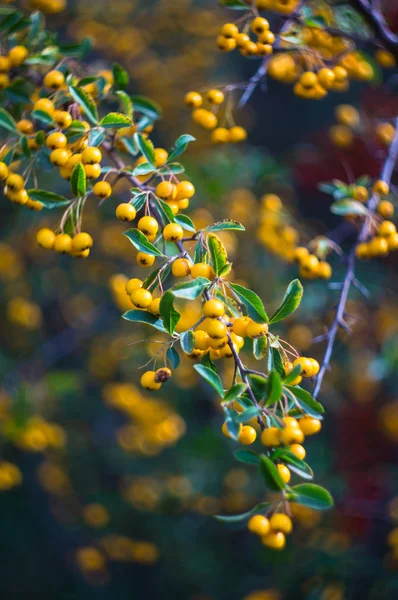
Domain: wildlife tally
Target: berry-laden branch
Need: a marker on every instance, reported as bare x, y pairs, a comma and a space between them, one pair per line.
349, 280
298, 44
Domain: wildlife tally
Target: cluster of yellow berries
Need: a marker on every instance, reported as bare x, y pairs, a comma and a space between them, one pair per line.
152, 424
177, 197
272, 531
230, 38
206, 116
15, 190
349, 123
310, 266
37, 434
15, 57
385, 241
79, 245
275, 231
66, 158
10, 476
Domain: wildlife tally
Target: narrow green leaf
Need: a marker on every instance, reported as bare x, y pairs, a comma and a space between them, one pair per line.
270, 474
311, 495
139, 200
311, 406
147, 107
180, 146
115, 120
120, 76
260, 347
290, 302
274, 388
234, 392
247, 456
8, 122
243, 516
187, 341
146, 148
226, 225
348, 207
275, 361
143, 316
48, 199
173, 357
292, 375
217, 253
165, 211
138, 239
254, 306
86, 102
143, 169
78, 180
185, 222
43, 117
296, 465
191, 289
211, 377
247, 414
169, 314
125, 103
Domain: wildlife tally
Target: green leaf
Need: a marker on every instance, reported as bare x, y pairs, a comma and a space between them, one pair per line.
43, 117
139, 201
274, 388
187, 341
48, 199
96, 137
260, 346
143, 316
296, 465
217, 252
146, 148
125, 103
8, 122
120, 76
147, 107
234, 392
311, 495
175, 168
247, 414
138, 239
115, 120
185, 222
191, 289
86, 102
311, 406
165, 211
253, 304
25, 147
226, 225
180, 146
275, 361
143, 169
158, 275
211, 377
243, 516
270, 474
247, 456
78, 180
290, 302
259, 386
348, 207
292, 375
168, 313
78, 50
173, 357
233, 427
234, 4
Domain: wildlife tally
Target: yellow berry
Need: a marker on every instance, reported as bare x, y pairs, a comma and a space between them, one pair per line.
56, 140
60, 157
240, 325
281, 522
46, 238
44, 104
173, 232
145, 260
141, 298
62, 118
247, 436
63, 243
381, 188
215, 97
148, 381
309, 425
3, 171
237, 134
225, 431
54, 80
15, 182
305, 365
259, 525
148, 225
103, 189
284, 473
181, 267
256, 330
202, 339
216, 329
271, 437
213, 309
91, 155
193, 100
166, 190
185, 189
298, 451
201, 270
81, 241
275, 540
17, 55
